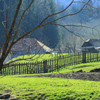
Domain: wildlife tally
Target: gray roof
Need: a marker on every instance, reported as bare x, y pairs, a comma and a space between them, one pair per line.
92, 43
27, 44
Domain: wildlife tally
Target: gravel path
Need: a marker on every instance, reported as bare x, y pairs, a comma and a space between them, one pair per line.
78, 75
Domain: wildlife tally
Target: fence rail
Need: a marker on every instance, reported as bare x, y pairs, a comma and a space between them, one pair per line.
50, 65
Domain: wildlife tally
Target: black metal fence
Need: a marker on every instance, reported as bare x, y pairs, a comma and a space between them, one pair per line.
50, 65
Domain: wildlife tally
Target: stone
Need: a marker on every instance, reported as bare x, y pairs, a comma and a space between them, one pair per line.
7, 96
12, 98
4, 96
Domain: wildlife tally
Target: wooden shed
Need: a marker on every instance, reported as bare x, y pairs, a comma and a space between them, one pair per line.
91, 45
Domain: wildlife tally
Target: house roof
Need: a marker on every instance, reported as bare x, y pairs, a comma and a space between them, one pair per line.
27, 44
92, 43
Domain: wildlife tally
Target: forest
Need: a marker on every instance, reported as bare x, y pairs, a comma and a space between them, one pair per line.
54, 36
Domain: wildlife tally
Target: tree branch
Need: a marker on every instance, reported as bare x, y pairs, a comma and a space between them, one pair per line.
4, 27
21, 19
5, 53
38, 26
57, 12
67, 15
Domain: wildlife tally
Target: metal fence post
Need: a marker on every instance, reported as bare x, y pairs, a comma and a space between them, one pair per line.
57, 64
27, 67
19, 69
84, 57
97, 56
45, 66
1, 72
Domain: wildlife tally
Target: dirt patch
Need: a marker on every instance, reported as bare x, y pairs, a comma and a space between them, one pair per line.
93, 75
77, 75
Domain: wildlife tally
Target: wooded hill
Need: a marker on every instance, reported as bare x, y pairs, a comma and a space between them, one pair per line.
51, 35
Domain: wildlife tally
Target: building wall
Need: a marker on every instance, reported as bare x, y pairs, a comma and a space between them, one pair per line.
90, 50
8, 58
20, 53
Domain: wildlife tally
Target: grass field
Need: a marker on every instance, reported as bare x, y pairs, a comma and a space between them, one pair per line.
31, 88
50, 88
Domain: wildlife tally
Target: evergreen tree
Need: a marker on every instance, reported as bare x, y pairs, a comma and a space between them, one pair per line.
51, 32
37, 12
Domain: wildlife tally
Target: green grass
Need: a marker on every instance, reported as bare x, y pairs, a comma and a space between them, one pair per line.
40, 57
32, 65
64, 69
34, 58
84, 66
87, 67
50, 88
31, 88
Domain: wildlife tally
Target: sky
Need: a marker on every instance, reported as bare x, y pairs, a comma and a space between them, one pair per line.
66, 2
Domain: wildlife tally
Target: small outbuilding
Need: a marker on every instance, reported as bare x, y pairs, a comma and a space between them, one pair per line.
91, 46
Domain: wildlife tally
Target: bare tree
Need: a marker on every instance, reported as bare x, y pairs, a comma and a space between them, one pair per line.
11, 38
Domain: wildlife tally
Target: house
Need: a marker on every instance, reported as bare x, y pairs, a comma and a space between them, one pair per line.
27, 46
91, 45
